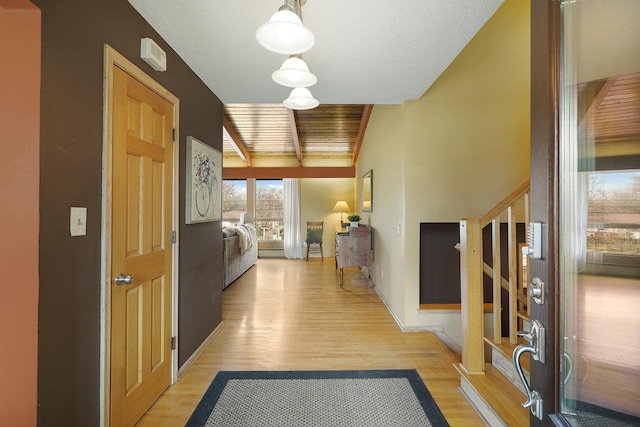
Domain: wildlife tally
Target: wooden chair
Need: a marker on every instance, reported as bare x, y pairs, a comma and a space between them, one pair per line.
314, 235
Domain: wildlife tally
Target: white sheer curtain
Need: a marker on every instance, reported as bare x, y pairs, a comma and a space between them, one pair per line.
582, 219
292, 238
576, 158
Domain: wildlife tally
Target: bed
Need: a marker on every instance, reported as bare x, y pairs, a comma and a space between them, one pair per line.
240, 248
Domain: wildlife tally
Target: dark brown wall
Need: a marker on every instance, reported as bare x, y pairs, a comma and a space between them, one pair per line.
440, 261
73, 35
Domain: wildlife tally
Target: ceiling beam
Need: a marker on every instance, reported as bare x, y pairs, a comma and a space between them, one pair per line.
294, 135
591, 97
366, 113
277, 173
235, 140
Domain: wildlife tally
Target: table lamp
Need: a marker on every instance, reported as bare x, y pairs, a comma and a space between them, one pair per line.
341, 206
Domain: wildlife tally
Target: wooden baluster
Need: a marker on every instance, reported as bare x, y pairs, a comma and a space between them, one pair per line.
513, 276
525, 285
497, 278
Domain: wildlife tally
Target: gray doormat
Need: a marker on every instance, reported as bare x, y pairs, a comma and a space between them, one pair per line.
588, 415
317, 398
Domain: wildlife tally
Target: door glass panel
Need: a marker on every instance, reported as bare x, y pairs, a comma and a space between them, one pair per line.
600, 212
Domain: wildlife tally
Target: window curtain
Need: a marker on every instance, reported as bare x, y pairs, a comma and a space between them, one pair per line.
292, 238
582, 220
576, 160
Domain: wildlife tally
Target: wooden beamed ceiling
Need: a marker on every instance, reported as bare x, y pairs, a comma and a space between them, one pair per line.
609, 115
254, 132
608, 111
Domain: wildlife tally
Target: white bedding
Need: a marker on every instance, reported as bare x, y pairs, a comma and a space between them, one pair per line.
244, 234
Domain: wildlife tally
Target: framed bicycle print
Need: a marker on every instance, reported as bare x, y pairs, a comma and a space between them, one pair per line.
204, 183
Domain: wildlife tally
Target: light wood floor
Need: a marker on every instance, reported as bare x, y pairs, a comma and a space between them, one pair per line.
606, 344
292, 315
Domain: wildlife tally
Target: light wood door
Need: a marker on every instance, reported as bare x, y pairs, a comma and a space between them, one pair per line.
141, 247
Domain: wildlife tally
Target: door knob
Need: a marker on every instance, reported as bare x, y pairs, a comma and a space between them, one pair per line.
536, 290
122, 279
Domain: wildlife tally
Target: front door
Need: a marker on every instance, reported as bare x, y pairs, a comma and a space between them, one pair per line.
141, 251
585, 191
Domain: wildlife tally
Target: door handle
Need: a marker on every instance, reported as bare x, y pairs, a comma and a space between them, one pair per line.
568, 363
536, 348
122, 279
536, 339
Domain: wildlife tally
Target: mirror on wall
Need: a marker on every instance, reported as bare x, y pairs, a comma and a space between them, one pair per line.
367, 192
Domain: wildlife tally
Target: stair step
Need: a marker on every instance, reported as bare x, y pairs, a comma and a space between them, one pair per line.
493, 397
506, 349
502, 360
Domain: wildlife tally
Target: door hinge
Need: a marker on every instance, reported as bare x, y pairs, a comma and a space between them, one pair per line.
173, 343
173, 236
174, 134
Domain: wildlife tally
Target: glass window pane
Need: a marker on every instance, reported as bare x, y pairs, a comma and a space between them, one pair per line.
234, 199
269, 210
614, 216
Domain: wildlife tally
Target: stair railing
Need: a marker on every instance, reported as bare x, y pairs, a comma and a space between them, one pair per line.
472, 268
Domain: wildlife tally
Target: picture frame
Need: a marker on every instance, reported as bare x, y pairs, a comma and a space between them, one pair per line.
367, 191
203, 183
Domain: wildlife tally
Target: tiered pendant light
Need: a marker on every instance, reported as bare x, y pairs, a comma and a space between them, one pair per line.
294, 73
301, 99
286, 34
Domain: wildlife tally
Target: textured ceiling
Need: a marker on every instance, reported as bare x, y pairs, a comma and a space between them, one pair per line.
366, 51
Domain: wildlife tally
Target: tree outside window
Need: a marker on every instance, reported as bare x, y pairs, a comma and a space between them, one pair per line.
614, 213
269, 211
266, 204
234, 199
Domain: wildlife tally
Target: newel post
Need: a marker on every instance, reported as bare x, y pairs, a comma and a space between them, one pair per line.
472, 311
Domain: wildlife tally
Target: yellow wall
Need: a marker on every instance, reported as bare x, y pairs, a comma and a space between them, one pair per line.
317, 198
454, 153
383, 152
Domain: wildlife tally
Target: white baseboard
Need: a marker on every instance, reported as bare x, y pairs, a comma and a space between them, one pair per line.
437, 329
450, 343
199, 350
395, 317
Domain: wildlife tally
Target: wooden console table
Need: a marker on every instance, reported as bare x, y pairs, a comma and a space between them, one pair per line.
353, 247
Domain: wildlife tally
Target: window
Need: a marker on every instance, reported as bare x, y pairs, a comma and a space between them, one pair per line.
269, 212
264, 199
614, 215
234, 199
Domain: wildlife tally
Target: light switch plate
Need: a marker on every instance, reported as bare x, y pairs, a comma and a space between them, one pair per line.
78, 221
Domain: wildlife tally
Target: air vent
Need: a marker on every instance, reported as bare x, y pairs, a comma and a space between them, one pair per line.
153, 55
